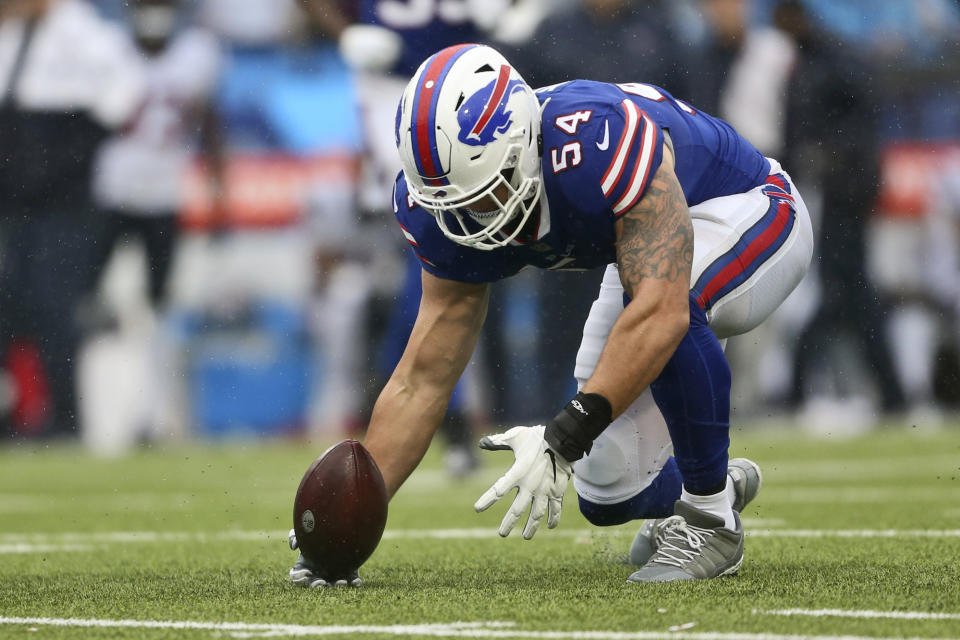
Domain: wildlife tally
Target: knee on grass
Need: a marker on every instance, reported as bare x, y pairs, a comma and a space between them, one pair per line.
656, 501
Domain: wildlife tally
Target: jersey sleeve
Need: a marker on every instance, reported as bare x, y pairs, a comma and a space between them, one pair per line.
402, 205
622, 148
629, 167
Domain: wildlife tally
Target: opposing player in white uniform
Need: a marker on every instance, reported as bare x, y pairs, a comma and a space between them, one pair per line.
141, 171
703, 236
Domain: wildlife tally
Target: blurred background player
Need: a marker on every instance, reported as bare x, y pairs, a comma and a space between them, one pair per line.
140, 171
739, 70
139, 180
67, 78
830, 120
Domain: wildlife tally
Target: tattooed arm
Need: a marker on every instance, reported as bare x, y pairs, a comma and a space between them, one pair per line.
654, 255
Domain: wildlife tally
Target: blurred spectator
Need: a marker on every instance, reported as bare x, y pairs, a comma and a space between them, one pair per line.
140, 172
608, 41
891, 30
140, 186
252, 23
832, 140
741, 73
67, 78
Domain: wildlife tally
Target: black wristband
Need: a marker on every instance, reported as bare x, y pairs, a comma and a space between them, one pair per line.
572, 432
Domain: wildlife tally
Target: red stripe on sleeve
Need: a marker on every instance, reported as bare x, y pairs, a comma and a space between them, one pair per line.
626, 139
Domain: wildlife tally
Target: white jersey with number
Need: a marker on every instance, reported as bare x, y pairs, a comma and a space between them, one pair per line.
141, 169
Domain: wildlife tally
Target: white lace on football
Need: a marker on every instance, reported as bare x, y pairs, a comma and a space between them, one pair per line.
679, 542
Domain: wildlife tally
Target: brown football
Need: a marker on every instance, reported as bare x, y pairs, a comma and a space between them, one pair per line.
340, 510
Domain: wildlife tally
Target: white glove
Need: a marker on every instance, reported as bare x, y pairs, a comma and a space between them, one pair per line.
304, 574
539, 474
367, 47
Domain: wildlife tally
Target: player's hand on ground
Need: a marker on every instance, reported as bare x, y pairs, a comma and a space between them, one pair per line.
539, 474
305, 574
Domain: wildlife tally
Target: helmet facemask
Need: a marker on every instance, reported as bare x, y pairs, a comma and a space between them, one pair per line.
500, 208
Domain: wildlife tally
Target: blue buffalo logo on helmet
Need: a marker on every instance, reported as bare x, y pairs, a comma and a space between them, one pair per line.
484, 114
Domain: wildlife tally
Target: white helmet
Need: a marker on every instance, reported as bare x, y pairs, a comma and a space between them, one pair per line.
468, 133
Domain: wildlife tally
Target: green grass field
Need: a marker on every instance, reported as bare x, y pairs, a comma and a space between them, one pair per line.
857, 537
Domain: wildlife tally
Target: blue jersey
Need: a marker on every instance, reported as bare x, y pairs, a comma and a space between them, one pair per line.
425, 26
602, 143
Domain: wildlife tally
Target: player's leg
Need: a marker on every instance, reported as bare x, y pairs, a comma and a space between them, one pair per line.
160, 234
629, 473
750, 251
693, 395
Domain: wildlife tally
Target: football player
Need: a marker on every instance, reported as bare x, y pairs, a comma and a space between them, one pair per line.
703, 237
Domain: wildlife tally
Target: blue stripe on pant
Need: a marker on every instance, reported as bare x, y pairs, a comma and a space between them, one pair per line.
754, 248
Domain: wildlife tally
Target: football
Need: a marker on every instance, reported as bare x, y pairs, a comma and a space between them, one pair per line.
340, 510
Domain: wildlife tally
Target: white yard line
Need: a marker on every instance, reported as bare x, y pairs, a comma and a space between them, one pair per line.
861, 495
848, 613
448, 630
138, 501
179, 502
886, 468
26, 547
54, 542
853, 533
107, 537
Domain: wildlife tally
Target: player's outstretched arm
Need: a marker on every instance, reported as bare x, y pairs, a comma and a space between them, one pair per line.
414, 400
654, 256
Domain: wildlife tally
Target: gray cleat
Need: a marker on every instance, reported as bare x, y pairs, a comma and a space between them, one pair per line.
645, 542
747, 480
693, 545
